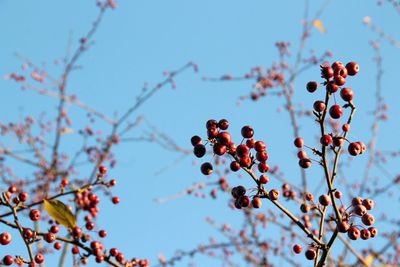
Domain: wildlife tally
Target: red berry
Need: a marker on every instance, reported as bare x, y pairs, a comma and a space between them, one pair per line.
12, 189
301, 154
243, 201
263, 167
273, 194
337, 65
23, 196
326, 140
223, 124
339, 80
305, 163
77, 232
75, 250
360, 210
353, 233
338, 194
115, 200
27, 233
34, 215
219, 149
324, 200
102, 233
310, 254
238, 191
256, 202
368, 203
354, 149
245, 162
262, 156
5, 238
113, 252
49, 237
365, 234
260, 146
39, 258
326, 72
312, 86
206, 168
102, 169
352, 68
195, 140
89, 225
250, 143
297, 249
199, 150
211, 124
368, 219
319, 106
346, 127
373, 231
224, 138
335, 111
332, 87
299, 142
341, 71
242, 150
212, 132
247, 131
8, 260
263, 179
57, 246
343, 226
235, 166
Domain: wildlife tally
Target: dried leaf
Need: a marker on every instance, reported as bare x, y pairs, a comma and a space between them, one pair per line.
319, 25
60, 212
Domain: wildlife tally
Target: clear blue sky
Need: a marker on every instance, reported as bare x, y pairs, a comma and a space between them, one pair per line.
138, 41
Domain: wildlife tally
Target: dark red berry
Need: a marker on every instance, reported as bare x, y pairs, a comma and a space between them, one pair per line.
5, 238
102, 169
199, 150
310, 254
247, 131
354, 149
39, 258
219, 149
312, 86
206, 168
326, 140
256, 202
260, 146
326, 72
263, 179
273, 194
8, 260
305, 163
211, 124
235, 166
332, 87
34, 215
223, 124
195, 140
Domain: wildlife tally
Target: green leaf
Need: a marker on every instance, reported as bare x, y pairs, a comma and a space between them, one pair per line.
60, 212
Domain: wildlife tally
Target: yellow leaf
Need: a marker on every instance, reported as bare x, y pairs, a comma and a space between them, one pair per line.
60, 212
318, 24
369, 260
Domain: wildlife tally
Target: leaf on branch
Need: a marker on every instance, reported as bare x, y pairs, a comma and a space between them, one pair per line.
319, 25
60, 212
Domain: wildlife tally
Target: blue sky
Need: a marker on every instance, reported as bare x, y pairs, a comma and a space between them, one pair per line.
139, 40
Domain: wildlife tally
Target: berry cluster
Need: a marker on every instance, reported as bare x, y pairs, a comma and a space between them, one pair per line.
221, 142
